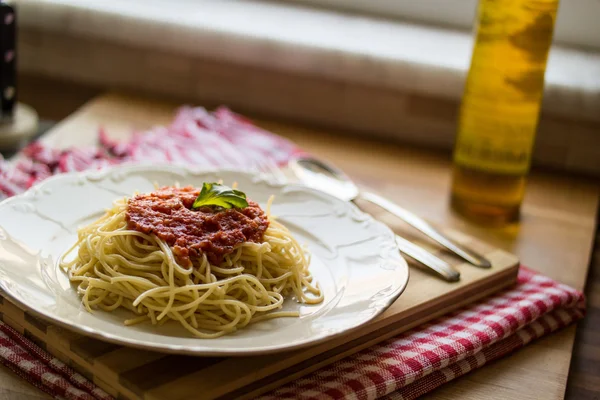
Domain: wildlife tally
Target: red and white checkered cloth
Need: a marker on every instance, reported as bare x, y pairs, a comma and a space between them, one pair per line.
44, 371
430, 355
404, 367
195, 137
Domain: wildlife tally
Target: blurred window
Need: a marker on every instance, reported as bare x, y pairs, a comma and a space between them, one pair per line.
577, 23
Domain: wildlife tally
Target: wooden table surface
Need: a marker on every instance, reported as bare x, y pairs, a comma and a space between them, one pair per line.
555, 235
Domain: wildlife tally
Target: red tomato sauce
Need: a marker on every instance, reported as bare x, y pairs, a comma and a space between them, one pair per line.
216, 232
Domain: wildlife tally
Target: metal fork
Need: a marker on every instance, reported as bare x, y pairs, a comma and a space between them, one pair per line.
270, 169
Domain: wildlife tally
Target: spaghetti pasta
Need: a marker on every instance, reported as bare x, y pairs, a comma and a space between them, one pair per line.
115, 266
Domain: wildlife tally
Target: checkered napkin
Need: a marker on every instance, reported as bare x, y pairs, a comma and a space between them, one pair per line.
404, 367
420, 360
44, 371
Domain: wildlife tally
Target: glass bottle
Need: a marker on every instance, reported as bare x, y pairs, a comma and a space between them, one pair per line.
500, 108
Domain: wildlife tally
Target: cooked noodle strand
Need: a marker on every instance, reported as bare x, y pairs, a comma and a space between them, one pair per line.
115, 267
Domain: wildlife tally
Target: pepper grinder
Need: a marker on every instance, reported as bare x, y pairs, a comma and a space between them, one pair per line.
18, 122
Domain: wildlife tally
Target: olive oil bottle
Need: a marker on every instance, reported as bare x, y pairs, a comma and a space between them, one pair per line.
500, 108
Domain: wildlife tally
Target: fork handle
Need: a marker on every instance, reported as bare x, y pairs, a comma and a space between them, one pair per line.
420, 224
421, 255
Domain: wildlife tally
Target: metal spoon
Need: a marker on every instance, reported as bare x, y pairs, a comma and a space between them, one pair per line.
329, 179
319, 181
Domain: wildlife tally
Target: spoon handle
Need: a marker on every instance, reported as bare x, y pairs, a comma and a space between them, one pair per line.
420, 224
430, 261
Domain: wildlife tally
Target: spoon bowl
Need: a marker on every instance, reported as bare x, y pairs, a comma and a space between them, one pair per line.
326, 178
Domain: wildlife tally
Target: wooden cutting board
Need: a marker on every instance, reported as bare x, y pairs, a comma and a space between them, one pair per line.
133, 374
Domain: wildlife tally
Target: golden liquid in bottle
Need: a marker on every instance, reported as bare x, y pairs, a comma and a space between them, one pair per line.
500, 108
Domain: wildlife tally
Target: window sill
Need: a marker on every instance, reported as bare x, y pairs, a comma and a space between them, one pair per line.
409, 57
333, 47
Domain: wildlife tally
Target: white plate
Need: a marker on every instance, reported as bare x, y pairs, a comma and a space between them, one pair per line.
354, 258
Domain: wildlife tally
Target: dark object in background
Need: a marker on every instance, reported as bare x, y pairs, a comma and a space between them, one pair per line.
8, 62
18, 122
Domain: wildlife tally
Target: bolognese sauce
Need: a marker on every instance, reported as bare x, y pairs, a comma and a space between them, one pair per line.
167, 213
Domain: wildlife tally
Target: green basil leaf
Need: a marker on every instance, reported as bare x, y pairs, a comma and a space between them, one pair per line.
214, 194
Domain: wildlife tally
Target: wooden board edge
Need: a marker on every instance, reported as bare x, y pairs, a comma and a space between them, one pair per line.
498, 282
473, 292
56, 344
